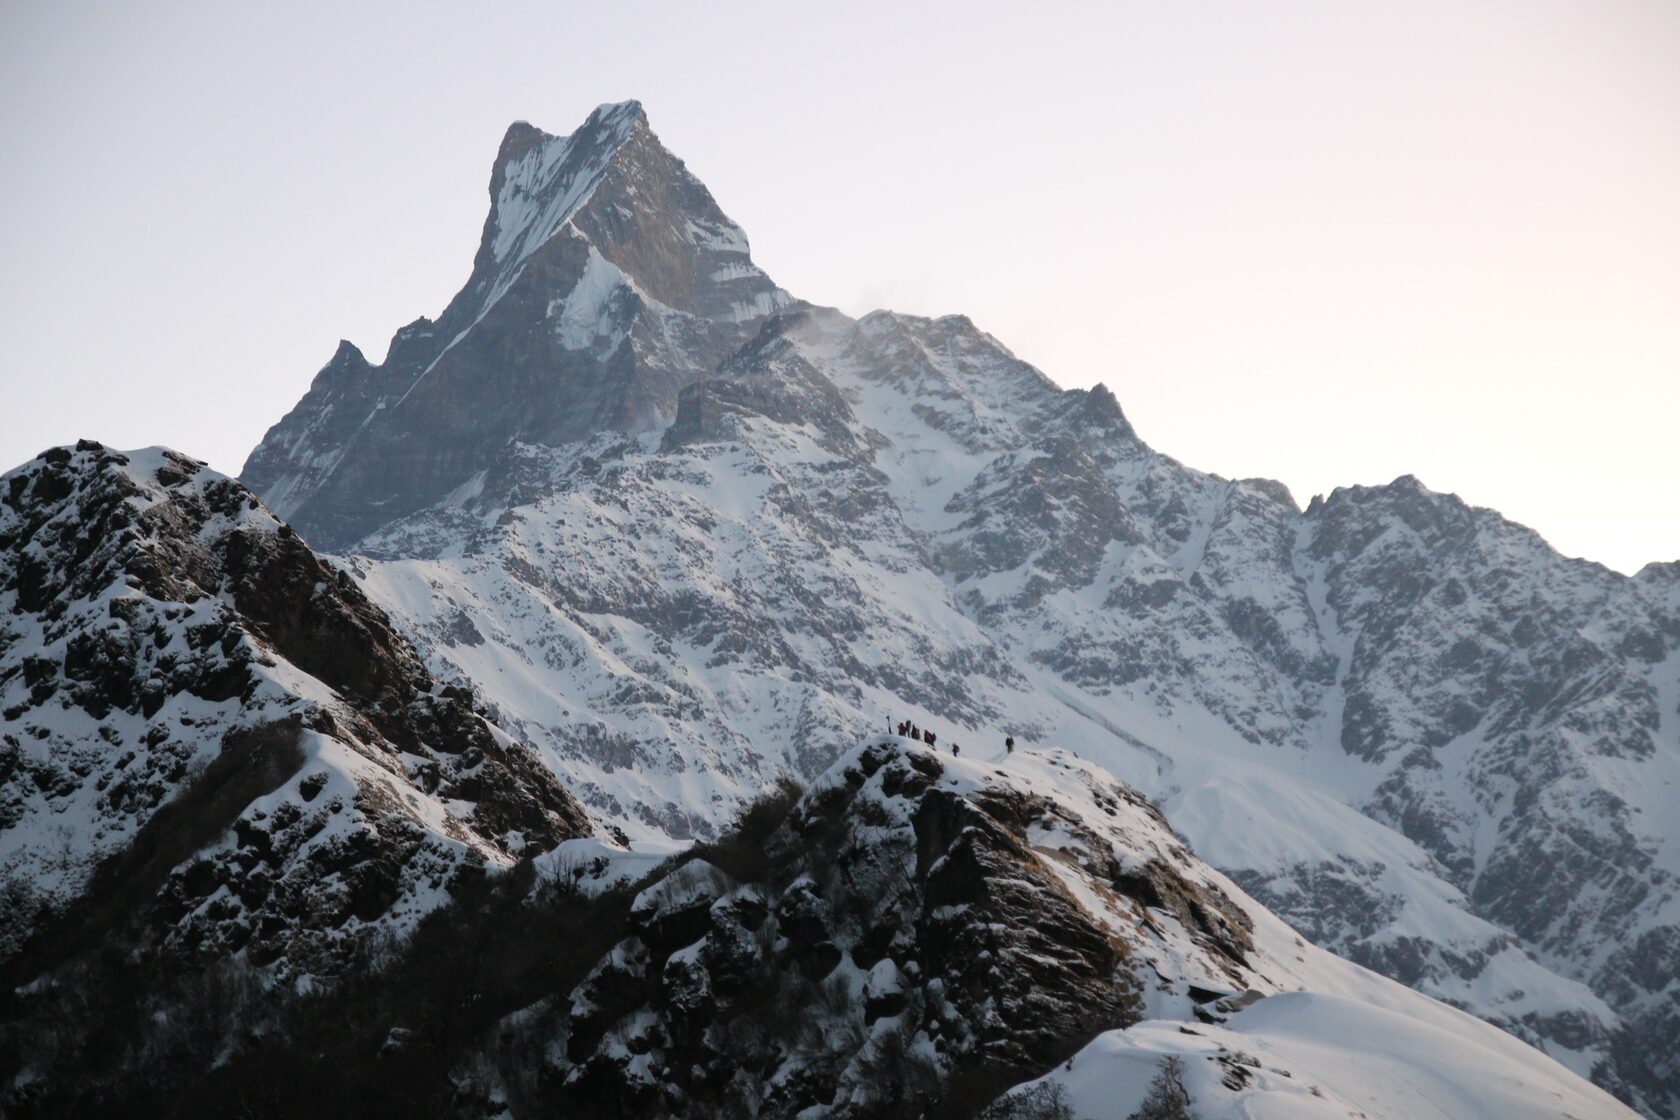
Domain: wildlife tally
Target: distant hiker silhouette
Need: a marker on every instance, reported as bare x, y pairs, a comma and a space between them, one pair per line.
928, 737
1009, 745
955, 750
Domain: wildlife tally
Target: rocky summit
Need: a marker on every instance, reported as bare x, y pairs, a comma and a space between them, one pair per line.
607, 280
526, 734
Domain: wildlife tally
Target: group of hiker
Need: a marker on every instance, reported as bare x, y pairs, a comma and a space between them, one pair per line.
908, 729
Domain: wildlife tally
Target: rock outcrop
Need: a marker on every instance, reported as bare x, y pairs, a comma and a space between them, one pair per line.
214, 736
913, 935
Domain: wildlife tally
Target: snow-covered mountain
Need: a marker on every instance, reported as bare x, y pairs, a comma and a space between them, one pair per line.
607, 278
684, 534
210, 734
628, 537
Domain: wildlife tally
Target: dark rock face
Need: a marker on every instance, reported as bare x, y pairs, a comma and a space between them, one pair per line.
900, 942
606, 281
1050, 507
205, 723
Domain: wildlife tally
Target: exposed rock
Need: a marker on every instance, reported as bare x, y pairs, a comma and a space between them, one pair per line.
207, 724
606, 281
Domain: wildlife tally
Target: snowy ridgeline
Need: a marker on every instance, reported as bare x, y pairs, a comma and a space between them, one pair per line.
920, 921
202, 716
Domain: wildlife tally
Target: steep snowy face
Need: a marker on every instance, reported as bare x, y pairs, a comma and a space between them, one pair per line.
211, 733
1523, 714
606, 280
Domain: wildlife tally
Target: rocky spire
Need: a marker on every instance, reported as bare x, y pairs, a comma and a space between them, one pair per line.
606, 280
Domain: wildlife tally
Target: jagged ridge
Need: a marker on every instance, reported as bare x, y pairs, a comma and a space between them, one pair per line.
214, 738
606, 280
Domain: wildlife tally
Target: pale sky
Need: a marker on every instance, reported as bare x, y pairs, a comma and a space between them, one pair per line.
1327, 243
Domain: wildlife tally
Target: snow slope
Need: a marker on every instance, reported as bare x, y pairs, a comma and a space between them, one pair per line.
1309, 1056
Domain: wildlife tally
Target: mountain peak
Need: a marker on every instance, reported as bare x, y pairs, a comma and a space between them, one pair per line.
616, 117
607, 279
540, 180
612, 112
348, 352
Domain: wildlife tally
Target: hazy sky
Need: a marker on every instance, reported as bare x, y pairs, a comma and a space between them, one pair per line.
1327, 243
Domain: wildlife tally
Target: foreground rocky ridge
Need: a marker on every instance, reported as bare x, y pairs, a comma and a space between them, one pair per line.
922, 930
1403, 722
911, 936
214, 742
899, 944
